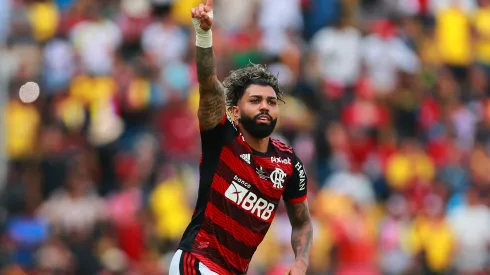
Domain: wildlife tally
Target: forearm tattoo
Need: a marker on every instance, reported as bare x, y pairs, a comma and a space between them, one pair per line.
302, 234
212, 96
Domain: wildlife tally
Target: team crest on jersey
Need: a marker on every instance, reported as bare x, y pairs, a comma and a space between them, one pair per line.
277, 177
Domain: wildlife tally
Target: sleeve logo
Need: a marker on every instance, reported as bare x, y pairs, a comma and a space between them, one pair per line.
302, 176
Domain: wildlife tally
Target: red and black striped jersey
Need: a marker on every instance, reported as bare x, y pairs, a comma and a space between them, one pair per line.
239, 192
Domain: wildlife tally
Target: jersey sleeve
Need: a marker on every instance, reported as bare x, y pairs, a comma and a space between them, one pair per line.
296, 189
220, 135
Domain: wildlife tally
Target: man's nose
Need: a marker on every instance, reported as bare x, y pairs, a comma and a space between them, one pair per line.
264, 107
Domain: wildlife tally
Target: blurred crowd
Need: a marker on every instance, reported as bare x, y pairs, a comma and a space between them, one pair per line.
387, 105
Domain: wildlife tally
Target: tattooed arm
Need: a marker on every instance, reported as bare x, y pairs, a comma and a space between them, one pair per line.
211, 91
301, 236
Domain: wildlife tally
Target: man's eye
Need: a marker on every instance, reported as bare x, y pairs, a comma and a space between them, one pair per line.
254, 101
272, 102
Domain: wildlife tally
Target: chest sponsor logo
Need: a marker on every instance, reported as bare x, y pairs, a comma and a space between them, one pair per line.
302, 176
249, 201
280, 160
242, 182
277, 177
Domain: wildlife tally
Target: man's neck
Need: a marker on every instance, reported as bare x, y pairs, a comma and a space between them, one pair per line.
258, 144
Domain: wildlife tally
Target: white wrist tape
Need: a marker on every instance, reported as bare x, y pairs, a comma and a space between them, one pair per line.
204, 39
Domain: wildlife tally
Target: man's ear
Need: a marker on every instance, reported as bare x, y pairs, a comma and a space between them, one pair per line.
235, 113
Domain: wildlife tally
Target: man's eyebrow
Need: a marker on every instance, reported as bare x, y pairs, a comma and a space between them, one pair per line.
259, 96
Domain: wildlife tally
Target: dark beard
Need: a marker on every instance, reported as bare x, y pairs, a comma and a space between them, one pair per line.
258, 130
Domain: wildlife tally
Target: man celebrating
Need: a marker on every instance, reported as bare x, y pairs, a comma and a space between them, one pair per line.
243, 172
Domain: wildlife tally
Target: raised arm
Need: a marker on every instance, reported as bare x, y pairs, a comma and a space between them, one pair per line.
301, 237
211, 92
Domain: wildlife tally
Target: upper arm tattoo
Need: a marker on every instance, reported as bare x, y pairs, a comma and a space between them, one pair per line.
211, 91
298, 213
302, 234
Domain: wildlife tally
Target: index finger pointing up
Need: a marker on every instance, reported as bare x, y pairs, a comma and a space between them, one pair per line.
209, 3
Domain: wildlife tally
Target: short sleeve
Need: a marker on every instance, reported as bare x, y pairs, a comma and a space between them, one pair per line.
296, 188
220, 135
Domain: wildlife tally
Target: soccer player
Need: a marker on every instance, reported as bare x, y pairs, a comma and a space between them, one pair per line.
243, 172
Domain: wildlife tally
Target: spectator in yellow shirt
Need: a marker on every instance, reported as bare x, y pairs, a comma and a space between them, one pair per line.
454, 39
44, 18
481, 28
168, 204
432, 237
22, 123
408, 166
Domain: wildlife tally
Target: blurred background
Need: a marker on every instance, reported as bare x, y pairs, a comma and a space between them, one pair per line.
387, 104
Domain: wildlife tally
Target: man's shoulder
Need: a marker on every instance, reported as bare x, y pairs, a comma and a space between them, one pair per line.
281, 146
222, 134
